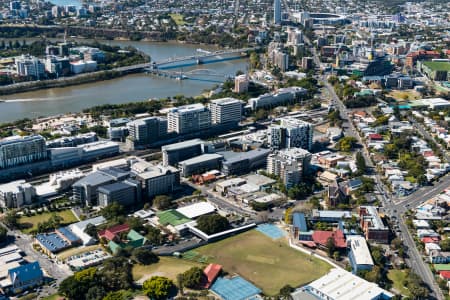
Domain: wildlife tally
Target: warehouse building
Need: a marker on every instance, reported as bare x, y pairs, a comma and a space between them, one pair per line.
127, 192
339, 284
174, 153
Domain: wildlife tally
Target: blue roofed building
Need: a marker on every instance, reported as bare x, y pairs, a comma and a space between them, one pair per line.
51, 243
68, 235
298, 224
25, 276
236, 288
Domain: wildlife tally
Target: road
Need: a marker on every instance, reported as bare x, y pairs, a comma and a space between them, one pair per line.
51, 268
223, 204
424, 132
396, 209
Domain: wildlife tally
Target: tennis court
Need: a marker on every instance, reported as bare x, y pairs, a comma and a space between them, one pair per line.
172, 217
271, 231
236, 288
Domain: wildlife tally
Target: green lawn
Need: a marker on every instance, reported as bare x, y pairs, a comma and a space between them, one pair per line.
30, 296
30, 223
269, 264
52, 297
169, 267
397, 277
178, 19
438, 65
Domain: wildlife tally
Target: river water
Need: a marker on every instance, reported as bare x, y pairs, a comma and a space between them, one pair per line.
136, 87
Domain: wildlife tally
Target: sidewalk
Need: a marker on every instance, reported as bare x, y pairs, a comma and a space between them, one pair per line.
329, 261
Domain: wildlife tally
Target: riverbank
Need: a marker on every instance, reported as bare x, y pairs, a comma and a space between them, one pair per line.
121, 89
64, 81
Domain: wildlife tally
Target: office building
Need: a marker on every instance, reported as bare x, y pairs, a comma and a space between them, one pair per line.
289, 165
280, 59
118, 133
18, 150
73, 141
277, 12
294, 36
158, 180
359, 254
58, 183
188, 119
29, 66
299, 133
85, 190
225, 111
57, 65
291, 133
69, 156
236, 163
174, 153
282, 96
200, 164
277, 137
372, 225
307, 63
147, 131
16, 194
339, 284
127, 192
241, 83
14, 5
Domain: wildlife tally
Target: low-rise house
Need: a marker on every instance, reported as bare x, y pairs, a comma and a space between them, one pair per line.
211, 272
112, 233
430, 247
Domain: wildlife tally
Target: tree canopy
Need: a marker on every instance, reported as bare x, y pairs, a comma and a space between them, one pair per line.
162, 202
193, 277
113, 211
144, 256
211, 224
158, 287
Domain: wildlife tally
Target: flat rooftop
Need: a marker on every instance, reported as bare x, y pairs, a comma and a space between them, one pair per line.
182, 145
375, 220
157, 170
339, 284
232, 157
188, 108
360, 250
196, 210
225, 101
201, 158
